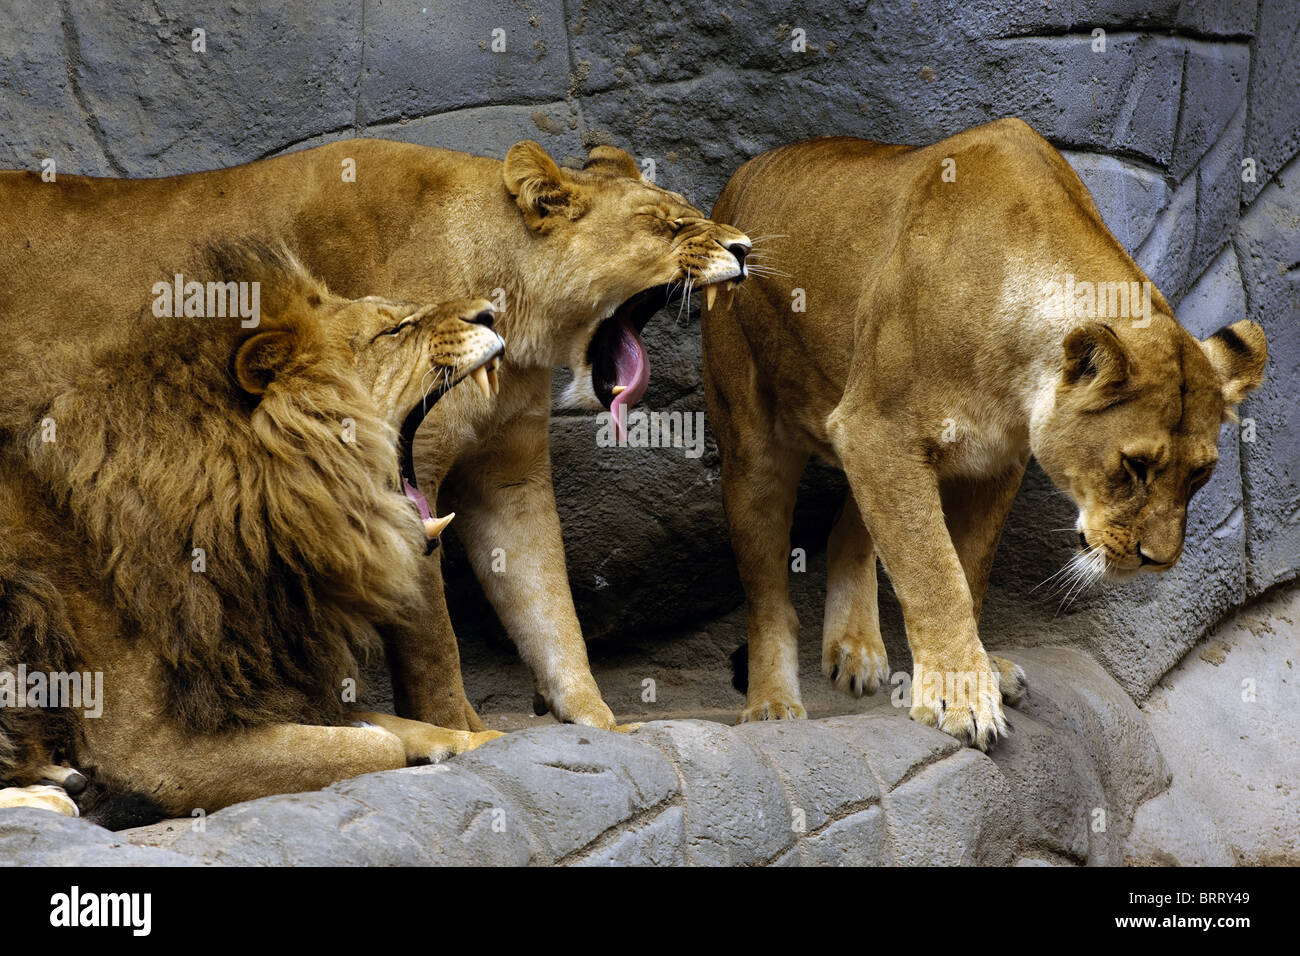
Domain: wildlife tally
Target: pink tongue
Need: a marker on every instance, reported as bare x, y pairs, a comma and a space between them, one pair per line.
632, 371
417, 498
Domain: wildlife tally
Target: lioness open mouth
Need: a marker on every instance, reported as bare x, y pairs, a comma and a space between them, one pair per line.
620, 365
485, 376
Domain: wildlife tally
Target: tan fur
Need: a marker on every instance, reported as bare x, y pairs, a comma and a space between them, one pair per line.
271, 450
929, 367
564, 248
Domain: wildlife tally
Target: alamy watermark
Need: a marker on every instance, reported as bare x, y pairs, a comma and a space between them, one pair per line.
1081, 299
683, 430
211, 300
41, 689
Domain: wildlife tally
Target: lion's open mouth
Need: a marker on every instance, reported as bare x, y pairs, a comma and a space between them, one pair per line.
485, 377
620, 364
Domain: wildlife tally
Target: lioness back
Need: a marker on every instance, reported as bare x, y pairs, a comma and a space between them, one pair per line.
852, 220
110, 238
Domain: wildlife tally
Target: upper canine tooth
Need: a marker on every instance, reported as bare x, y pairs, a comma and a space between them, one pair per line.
728, 294
494, 379
710, 293
436, 526
617, 389
480, 377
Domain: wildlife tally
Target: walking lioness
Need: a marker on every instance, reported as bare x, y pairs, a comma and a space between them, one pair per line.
948, 311
576, 260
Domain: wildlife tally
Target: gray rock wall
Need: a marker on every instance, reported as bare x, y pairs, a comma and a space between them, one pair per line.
863, 789
1158, 125
1204, 773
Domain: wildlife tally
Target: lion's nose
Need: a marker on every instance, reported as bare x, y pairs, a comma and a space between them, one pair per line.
739, 250
486, 318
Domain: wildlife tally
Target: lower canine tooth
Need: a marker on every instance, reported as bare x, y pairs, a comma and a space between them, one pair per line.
617, 389
436, 526
710, 293
480, 377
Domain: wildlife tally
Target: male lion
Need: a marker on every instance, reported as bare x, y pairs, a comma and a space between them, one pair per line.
211, 517
936, 354
579, 261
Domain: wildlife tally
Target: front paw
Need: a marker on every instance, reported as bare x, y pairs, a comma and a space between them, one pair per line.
583, 706
40, 797
437, 747
964, 702
775, 706
1011, 679
856, 664
479, 737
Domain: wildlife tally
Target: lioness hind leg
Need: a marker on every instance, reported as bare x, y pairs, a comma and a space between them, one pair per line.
40, 797
759, 488
853, 652
425, 743
760, 480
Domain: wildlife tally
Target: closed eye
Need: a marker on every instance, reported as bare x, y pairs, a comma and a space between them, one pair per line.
672, 225
397, 329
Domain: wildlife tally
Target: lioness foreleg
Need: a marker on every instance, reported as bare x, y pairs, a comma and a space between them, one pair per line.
505, 503
853, 652
976, 511
954, 684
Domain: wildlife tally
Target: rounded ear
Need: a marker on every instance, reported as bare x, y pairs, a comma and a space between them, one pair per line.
261, 357
1094, 356
1238, 354
612, 161
540, 189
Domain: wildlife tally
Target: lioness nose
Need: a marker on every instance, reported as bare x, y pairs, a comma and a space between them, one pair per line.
1148, 559
739, 250
487, 317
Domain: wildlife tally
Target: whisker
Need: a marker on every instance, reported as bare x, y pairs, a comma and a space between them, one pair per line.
1086, 568
424, 392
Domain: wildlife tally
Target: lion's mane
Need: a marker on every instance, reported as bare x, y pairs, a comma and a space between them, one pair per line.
246, 538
